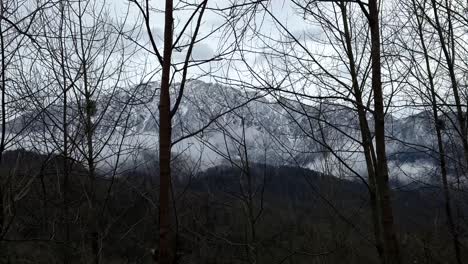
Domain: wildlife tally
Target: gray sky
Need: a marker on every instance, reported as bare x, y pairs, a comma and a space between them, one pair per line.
214, 44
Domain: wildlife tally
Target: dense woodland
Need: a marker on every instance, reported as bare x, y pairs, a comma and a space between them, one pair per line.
209, 131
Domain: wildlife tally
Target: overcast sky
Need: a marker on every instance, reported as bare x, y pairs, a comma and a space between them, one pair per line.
217, 42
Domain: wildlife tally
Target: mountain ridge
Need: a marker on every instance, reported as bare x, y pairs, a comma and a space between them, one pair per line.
275, 130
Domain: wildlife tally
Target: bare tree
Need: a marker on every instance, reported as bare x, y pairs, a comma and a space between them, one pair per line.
16, 23
373, 140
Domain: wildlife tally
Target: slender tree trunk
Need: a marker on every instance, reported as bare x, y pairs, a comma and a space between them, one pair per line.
3, 183
252, 230
440, 143
450, 61
3, 80
391, 248
3, 131
165, 127
93, 227
89, 111
66, 254
91, 189
445, 186
365, 135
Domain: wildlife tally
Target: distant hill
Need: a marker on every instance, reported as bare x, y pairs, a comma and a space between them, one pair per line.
278, 131
287, 202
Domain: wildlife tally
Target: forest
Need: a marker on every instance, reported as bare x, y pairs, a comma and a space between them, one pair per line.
234, 131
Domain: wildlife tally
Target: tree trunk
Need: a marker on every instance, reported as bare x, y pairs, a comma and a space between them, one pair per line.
66, 252
3, 120
366, 136
450, 60
165, 126
440, 143
391, 249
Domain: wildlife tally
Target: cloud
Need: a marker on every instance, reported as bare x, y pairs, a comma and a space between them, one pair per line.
408, 172
201, 51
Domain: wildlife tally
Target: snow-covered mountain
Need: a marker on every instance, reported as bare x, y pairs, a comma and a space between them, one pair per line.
216, 124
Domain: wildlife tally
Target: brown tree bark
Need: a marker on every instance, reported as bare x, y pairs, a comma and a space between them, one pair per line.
366, 136
391, 248
165, 126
